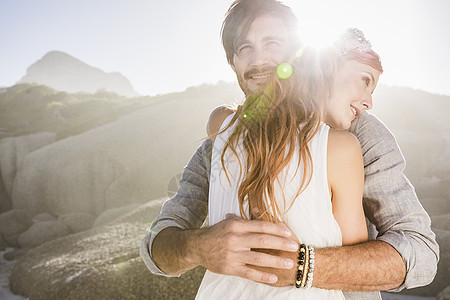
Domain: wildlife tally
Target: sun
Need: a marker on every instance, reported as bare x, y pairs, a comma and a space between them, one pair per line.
319, 25
318, 37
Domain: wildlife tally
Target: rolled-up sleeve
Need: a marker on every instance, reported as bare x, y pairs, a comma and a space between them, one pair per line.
391, 204
187, 209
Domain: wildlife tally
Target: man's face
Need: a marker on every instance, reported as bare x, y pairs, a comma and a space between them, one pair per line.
264, 48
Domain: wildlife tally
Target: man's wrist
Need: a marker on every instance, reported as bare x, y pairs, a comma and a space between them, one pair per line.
170, 249
190, 241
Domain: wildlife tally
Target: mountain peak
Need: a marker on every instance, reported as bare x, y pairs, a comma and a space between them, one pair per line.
64, 72
56, 54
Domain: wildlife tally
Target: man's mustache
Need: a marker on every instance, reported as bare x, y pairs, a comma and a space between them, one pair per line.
260, 70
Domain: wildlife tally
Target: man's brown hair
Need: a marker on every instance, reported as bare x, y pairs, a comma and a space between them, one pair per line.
241, 15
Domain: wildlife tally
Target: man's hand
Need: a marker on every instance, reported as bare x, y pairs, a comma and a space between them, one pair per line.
226, 248
285, 277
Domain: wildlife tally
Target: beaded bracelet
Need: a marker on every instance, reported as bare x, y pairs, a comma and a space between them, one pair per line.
301, 271
311, 267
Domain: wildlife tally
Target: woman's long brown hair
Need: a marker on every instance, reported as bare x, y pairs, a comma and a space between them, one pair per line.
270, 125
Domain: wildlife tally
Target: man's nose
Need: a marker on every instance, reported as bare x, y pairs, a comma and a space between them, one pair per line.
366, 101
260, 56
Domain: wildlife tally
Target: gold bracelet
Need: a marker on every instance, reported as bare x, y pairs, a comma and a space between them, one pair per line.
301, 266
305, 268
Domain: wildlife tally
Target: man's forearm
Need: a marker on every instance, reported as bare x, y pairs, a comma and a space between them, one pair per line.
369, 266
169, 251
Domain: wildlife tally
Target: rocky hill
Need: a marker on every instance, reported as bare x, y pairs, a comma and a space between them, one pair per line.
63, 72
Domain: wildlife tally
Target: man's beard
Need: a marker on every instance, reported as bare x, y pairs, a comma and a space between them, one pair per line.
243, 81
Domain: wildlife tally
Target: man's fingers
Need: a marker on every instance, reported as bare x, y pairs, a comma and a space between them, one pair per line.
267, 241
232, 216
256, 275
255, 213
237, 224
258, 234
261, 259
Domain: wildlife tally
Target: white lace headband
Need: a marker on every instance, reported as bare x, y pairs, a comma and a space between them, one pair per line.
352, 39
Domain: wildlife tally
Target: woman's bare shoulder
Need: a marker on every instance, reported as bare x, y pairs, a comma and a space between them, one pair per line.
342, 143
344, 156
216, 118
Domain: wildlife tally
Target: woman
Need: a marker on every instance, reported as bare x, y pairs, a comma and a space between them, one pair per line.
276, 158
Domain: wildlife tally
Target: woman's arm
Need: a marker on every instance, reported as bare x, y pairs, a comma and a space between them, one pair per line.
346, 181
216, 118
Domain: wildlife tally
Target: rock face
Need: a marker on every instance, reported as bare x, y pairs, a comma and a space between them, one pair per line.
112, 214
12, 224
2, 243
43, 217
42, 232
66, 73
127, 161
77, 221
101, 263
445, 294
12, 153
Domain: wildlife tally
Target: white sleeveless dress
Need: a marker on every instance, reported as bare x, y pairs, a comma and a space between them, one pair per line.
310, 217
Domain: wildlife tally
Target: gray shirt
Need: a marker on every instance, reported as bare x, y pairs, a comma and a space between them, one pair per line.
390, 204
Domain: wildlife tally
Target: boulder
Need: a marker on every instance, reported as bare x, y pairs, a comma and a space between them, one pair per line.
112, 214
15, 253
13, 151
3, 244
441, 222
42, 232
444, 295
100, 263
12, 224
130, 160
43, 217
77, 221
5, 199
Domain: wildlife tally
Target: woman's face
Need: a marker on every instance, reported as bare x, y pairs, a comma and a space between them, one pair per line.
352, 93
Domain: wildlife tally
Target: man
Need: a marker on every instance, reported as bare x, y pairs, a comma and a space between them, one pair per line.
258, 34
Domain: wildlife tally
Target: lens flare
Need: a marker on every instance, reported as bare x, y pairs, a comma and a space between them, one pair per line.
299, 53
284, 70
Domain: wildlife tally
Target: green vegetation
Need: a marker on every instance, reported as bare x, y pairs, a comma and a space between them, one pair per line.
31, 108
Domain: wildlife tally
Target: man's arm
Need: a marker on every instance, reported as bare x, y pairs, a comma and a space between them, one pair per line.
187, 209
405, 252
391, 204
176, 244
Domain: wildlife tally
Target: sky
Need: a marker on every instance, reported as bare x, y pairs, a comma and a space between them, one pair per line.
169, 45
